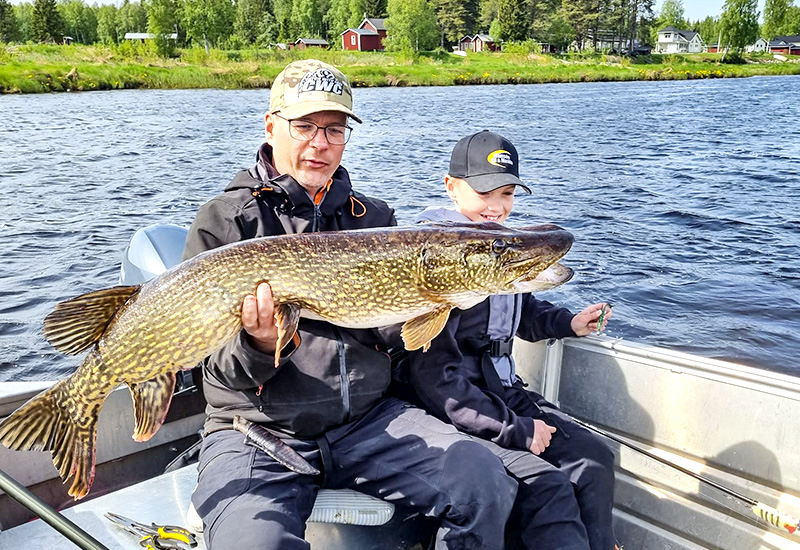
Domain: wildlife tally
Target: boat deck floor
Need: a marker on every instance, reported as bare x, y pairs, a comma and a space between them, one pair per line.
163, 500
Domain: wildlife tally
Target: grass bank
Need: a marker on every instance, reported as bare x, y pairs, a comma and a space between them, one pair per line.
40, 68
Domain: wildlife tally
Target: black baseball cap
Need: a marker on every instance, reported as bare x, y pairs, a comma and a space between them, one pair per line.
487, 161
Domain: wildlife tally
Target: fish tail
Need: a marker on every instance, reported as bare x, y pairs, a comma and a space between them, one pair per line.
45, 424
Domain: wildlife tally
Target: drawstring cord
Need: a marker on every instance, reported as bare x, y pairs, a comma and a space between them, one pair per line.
353, 202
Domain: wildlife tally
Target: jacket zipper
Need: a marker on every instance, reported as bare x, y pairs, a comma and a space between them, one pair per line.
317, 216
344, 379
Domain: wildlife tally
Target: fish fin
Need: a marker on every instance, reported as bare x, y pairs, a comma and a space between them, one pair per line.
151, 400
453, 224
45, 424
77, 324
419, 331
287, 316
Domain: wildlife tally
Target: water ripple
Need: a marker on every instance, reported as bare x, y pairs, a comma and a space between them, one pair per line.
682, 203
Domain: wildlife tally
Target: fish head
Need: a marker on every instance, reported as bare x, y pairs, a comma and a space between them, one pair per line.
489, 258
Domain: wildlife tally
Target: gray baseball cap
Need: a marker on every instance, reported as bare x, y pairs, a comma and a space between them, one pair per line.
487, 161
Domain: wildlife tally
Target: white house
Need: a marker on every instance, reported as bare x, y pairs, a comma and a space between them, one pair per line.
142, 36
760, 45
672, 40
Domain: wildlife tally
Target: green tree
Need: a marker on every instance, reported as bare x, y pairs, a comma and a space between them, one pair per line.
739, 22
162, 21
267, 30
8, 23
411, 26
207, 22
512, 21
457, 18
709, 29
107, 24
131, 17
253, 20
307, 18
581, 15
283, 15
369, 8
80, 21
793, 20
487, 13
777, 19
337, 20
23, 14
672, 15
46, 24
540, 16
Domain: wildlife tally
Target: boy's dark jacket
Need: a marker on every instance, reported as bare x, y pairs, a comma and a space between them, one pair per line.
336, 374
448, 379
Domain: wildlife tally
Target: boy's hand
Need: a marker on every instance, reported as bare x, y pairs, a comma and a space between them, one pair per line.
258, 319
542, 434
588, 320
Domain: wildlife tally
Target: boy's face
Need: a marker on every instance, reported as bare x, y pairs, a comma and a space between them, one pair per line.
492, 206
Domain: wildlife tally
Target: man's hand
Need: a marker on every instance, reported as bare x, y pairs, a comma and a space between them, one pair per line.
588, 320
258, 319
542, 434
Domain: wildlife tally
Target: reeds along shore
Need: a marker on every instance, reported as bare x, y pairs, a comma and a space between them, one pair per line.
52, 68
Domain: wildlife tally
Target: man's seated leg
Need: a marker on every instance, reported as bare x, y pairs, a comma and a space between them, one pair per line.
401, 454
248, 500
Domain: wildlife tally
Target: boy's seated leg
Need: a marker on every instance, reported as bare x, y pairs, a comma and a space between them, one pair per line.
402, 454
589, 463
546, 515
247, 500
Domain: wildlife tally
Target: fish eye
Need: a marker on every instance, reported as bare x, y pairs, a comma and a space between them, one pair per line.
499, 246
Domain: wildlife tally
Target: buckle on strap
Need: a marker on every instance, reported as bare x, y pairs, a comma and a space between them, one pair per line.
500, 348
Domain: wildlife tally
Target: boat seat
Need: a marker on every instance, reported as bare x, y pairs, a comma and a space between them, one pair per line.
342, 506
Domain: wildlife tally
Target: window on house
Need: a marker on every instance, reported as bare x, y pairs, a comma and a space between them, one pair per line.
352, 40
667, 35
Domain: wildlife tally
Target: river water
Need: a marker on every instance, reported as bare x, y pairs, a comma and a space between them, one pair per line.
684, 197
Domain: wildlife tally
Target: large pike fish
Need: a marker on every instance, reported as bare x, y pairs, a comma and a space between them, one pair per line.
142, 335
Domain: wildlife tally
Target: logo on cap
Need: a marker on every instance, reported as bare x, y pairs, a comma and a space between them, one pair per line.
501, 158
321, 80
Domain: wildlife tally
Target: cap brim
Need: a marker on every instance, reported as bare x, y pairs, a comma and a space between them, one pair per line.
489, 182
310, 107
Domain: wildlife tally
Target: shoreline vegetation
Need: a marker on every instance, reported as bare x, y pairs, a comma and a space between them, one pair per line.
55, 68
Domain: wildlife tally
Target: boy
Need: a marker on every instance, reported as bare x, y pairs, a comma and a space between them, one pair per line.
565, 473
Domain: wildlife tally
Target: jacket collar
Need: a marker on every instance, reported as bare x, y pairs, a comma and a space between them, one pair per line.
264, 176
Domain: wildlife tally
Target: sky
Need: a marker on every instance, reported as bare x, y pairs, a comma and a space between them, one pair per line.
695, 10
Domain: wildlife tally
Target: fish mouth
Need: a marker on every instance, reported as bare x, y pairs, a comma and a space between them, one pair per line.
553, 243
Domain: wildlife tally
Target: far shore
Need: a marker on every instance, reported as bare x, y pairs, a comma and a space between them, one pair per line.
52, 68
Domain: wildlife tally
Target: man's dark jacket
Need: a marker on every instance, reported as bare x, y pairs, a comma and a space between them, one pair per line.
336, 374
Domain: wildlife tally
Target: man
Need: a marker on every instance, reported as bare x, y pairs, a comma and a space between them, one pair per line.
326, 397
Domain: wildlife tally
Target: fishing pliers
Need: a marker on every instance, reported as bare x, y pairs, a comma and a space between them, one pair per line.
156, 537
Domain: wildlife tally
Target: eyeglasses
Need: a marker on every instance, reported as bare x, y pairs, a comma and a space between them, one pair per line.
304, 130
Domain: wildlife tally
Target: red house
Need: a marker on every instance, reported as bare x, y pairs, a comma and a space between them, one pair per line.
303, 43
482, 42
367, 37
477, 43
789, 45
361, 40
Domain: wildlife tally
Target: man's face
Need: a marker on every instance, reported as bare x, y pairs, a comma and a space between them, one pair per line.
311, 163
493, 206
